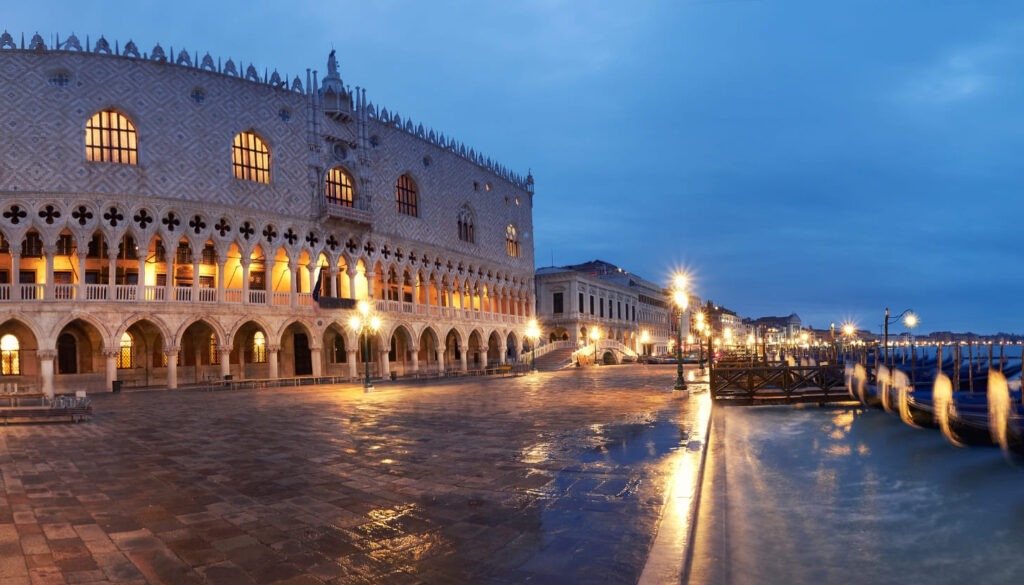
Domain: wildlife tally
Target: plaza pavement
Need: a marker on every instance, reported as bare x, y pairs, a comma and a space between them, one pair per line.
555, 477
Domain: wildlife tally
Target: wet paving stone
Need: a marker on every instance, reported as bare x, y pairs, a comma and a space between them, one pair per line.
557, 477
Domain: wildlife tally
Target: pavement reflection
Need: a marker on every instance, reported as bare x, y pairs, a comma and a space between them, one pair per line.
557, 477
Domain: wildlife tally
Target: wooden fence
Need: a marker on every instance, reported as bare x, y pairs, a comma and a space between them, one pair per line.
777, 384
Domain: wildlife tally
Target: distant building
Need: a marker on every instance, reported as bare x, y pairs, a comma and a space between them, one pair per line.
776, 330
572, 300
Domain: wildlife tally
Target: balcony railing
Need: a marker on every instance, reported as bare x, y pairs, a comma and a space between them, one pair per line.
132, 293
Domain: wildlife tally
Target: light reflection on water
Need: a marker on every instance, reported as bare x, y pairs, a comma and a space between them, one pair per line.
855, 496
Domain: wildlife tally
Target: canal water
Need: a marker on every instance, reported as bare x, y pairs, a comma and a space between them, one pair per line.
849, 495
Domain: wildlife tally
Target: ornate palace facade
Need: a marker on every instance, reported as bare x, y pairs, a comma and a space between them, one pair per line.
167, 219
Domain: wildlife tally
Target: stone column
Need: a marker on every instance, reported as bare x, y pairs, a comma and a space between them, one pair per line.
225, 361
172, 368
316, 354
246, 263
80, 256
49, 251
222, 262
440, 359
293, 284
140, 267
272, 351
353, 367
312, 270
334, 290
464, 358
46, 370
110, 359
352, 274
196, 257
385, 364
370, 276
414, 355
169, 285
112, 273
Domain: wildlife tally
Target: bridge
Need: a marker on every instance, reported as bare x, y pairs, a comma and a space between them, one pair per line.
777, 383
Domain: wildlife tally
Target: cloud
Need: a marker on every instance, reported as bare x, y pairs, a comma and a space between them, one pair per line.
962, 74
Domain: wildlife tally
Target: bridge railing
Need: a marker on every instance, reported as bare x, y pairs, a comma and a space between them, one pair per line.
777, 383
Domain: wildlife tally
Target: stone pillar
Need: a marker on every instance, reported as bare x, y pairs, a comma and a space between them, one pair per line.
353, 366
272, 351
110, 359
172, 368
169, 285
312, 270
49, 251
385, 364
222, 261
140, 267
46, 370
246, 263
225, 361
352, 274
316, 354
370, 276
440, 359
414, 355
196, 256
464, 358
293, 288
81, 294
334, 290
112, 273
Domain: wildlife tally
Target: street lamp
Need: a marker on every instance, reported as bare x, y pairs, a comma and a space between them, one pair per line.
595, 334
682, 300
645, 338
364, 323
909, 319
533, 334
700, 344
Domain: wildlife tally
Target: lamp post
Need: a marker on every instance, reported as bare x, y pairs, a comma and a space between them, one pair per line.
682, 300
533, 334
595, 334
700, 344
364, 323
909, 319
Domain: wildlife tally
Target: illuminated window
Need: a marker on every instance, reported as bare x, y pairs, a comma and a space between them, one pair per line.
111, 137
124, 355
465, 223
214, 354
250, 158
259, 348
511, 241
405, 196
10, 350
339, 187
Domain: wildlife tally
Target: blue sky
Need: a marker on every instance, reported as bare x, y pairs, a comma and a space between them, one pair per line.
824, 158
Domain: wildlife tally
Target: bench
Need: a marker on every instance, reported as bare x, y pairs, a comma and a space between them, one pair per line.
73, 413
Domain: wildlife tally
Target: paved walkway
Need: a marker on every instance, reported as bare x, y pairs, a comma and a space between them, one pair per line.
557, 477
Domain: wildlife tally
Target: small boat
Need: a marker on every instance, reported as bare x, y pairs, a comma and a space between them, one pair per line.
962, 416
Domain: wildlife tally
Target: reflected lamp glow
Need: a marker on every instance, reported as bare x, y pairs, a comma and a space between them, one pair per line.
533, 334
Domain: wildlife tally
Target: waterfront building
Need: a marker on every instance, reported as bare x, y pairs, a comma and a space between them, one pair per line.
776, 330
625, 308
167, 218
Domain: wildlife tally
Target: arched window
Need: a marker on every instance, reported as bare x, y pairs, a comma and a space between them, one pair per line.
124, 355
10, 350
339, 187
405, 196
511, 241
111, 137
250, 158
259, 348
465, 223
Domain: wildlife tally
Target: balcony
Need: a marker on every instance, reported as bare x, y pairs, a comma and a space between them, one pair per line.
358, 213
184, 295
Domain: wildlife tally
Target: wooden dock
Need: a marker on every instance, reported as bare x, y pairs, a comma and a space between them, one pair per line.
757, 384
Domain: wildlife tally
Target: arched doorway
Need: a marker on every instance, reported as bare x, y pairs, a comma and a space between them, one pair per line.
67, 354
